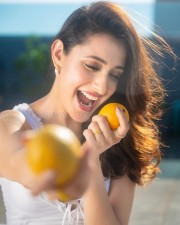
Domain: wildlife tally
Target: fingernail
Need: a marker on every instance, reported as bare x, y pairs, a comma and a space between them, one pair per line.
118, 109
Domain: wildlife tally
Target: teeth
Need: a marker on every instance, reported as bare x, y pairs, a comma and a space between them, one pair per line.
87, 105
89, 96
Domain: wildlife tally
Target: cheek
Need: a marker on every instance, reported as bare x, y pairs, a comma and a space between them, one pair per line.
79, 76
69, 77
112, 87
77, 79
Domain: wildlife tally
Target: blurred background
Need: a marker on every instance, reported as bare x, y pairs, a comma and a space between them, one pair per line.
27, 28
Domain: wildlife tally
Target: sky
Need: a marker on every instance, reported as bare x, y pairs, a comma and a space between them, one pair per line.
45, 17
69, 1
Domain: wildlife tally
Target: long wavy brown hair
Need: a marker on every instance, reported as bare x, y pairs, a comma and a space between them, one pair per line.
139, 89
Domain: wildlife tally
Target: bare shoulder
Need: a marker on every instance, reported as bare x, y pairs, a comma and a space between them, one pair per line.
12, 120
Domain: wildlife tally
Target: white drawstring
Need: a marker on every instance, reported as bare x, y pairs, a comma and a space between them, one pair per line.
79, 209
61, 206
66, 209
67, 215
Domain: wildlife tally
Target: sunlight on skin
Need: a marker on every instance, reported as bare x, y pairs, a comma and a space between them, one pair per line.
13, 120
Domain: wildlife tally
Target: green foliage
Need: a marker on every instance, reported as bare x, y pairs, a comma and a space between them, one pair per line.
32, 65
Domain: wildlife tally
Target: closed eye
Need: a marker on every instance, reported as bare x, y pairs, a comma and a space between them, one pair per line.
91, 67
115, 77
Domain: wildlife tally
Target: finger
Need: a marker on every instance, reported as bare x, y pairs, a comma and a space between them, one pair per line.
89, 135
122, 118
94, 126
122, 130
119, 135
103, 125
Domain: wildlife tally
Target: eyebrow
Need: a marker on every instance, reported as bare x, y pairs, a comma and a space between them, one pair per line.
103, 61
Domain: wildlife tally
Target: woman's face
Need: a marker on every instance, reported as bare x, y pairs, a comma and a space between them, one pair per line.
89, 75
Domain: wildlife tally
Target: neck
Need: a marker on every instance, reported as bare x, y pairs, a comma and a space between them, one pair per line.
50, 114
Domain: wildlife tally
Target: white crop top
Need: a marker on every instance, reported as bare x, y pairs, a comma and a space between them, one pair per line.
22, 208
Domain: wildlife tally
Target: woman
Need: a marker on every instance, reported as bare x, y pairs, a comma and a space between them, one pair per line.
97, 57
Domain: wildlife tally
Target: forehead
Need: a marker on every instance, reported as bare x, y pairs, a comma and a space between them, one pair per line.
104, 46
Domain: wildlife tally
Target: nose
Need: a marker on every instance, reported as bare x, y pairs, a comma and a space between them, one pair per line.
100, 84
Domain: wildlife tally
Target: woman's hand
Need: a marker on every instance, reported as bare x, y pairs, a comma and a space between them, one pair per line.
47, 180
99, 136
13, 166
75, 189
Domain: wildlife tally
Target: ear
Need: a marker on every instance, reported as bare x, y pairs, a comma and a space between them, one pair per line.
57, 48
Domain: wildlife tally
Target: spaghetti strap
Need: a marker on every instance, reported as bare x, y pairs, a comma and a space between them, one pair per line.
32, 119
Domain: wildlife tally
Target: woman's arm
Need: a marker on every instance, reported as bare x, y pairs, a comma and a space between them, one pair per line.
13, 165
101, 208
114, 209
11, 156
121, 198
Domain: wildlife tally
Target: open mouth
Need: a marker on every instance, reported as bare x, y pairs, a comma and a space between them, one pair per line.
86, 99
